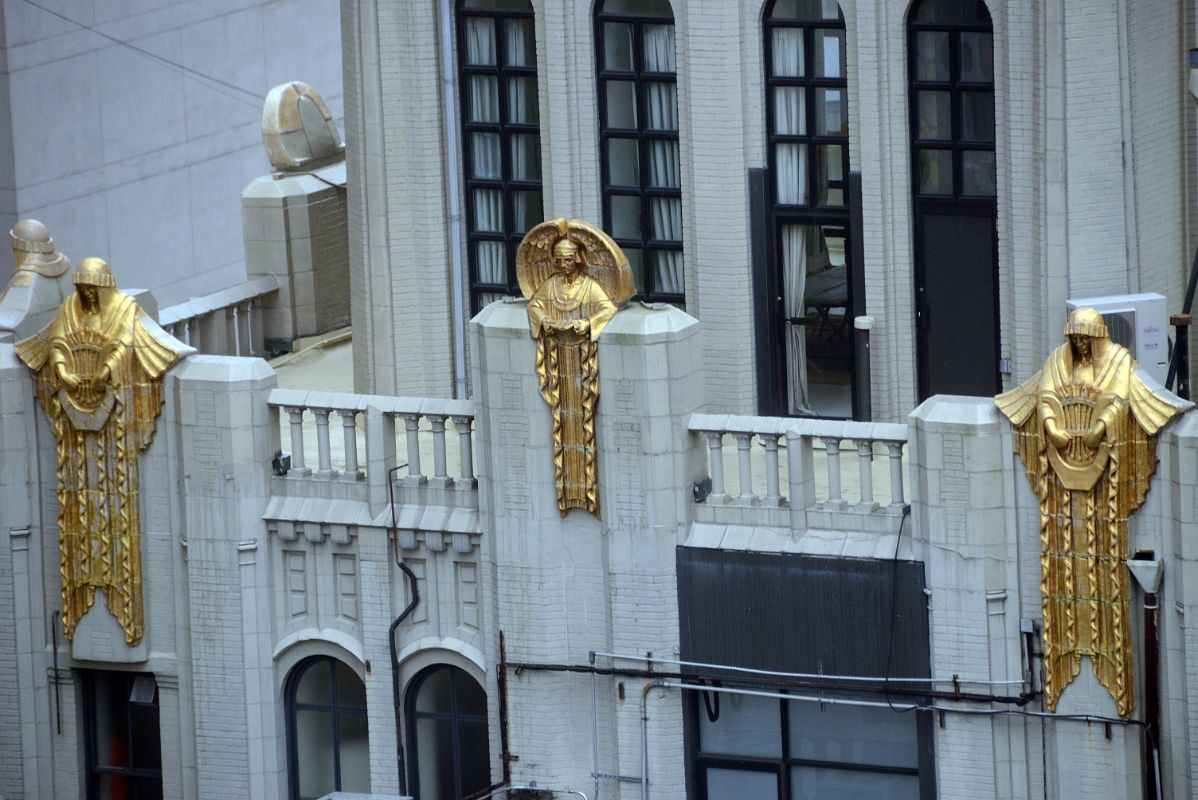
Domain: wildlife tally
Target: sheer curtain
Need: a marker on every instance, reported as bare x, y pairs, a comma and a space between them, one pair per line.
516, 44
485, 156
794, 281
488, 216
788, 52
480, 41
790, 119
667, 226
659, 48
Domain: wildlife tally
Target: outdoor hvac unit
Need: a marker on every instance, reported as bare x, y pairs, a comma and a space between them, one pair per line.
1139, 322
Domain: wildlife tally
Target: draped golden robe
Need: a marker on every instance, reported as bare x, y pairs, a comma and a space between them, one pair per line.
101, 429
568, 366
1086, 496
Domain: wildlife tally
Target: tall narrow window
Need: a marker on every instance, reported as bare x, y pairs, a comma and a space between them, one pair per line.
447, 735
501, 139
328, 746
951, 73
638, 141
808, 124
123, 743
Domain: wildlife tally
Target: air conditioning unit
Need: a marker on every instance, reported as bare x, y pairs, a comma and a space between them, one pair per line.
1139, 322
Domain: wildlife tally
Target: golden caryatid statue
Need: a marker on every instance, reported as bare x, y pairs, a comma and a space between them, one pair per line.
575, 278
98, 376
1086, 428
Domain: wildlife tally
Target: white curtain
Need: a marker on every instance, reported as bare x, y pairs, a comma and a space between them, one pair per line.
663, 164
515, 42
666, 213
488, 210
526, 210
491, 268
791, 165
480, 41
788, 52
669, 271
663, 107
659, 48
521, 100
794, 282
790, 118
484, 98
485, 156
526, 156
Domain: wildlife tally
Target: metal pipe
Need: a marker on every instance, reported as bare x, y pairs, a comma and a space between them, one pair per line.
809, 675
1152, 701
453, 153
594, 726
649, 685
408, 609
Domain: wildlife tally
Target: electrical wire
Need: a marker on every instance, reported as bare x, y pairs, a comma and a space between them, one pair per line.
214, 82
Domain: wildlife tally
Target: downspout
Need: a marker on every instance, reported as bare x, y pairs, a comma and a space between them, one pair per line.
453, 151
408, 609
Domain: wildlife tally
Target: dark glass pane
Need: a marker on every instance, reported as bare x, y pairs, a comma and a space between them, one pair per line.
787, 60
790, 112
355, 753
351, 692
617, 46
526, 157
314, 752
831, 113
638, 8
484, 98
146, 746
434, 748
931, 56
935, 115
476, 757
315, 685
977, 173
521, 6
747, 726
110, 705
480, 41
661, 106
485, 158
977, 56
435, 692
811, 783
953, 12
484, 299
977, 116
935, 172
625, 217
736, 784
829, 54
853, 735
120, 786
519, 43
522, 101
623, 162
621, 104
636, 262
805, 9
472, 700
526, 210
830, 180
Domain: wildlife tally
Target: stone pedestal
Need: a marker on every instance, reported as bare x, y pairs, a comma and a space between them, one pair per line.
566, 586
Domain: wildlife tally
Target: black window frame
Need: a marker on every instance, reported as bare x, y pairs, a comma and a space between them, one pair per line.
335, 711
643, 136
505, 129
454, 717
836, 217
93, 769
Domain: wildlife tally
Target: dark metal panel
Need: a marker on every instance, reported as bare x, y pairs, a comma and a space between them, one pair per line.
800, 613
767, 307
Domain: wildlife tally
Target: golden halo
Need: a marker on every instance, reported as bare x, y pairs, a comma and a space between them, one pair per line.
605, 261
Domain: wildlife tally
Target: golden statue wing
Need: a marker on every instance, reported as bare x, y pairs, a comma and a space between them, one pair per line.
1150, 408
606, 262
534, 258
1019, 406
33, 351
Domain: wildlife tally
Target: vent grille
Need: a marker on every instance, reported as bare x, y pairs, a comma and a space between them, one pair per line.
1121, 325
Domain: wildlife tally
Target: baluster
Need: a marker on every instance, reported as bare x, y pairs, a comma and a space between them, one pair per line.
236, 330
440, 475
865, 459
465, 445
744, 441
773, 496
411, 423
349, 430
896, 474
193, 333
322, 441
801, 476
832, 451
296, 415
715, 463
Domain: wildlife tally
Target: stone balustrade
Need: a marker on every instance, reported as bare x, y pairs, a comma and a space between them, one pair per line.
224, 323
800, 476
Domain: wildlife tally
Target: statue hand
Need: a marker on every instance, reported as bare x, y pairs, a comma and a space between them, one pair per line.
1057, 436
1095, 434
581, 325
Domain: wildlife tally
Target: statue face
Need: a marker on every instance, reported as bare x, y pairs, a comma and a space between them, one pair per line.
1081, 344
567, 262
90, 295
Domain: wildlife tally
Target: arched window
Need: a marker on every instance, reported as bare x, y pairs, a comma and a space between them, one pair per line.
951, 76
501, 139
807, 119
447, 735
638, 141
327, 743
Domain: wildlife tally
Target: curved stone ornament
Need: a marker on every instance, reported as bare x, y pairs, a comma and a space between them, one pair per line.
575, 278
1086, 430
98, 376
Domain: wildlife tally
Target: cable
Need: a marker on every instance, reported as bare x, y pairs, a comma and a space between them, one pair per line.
893, 599
212, 79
